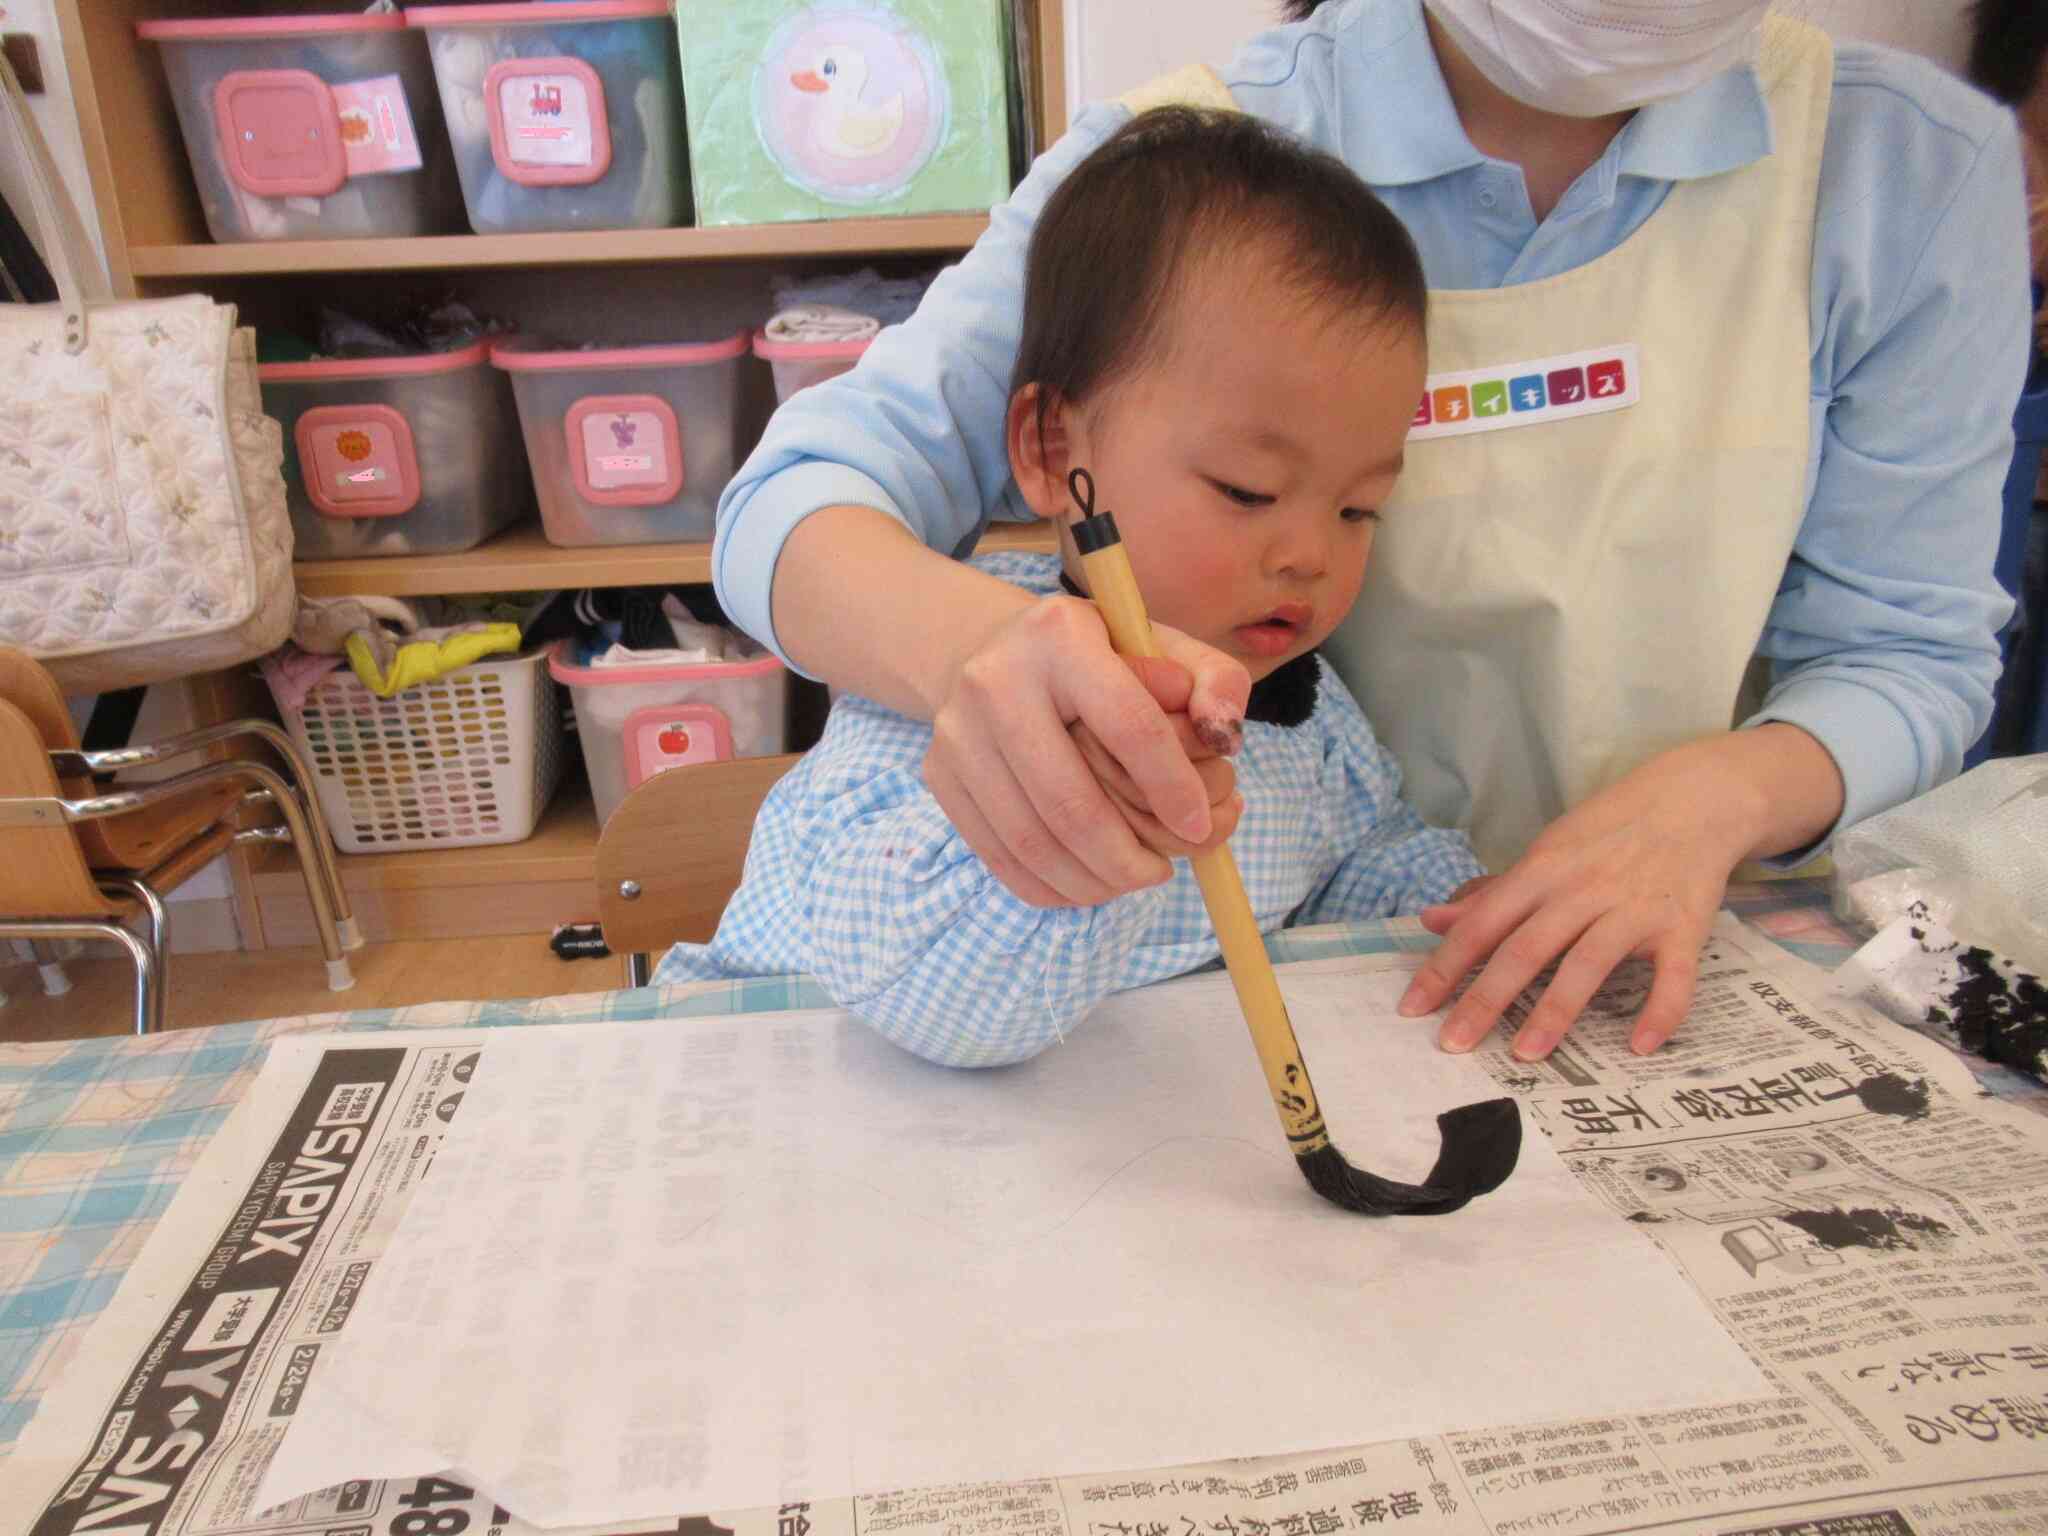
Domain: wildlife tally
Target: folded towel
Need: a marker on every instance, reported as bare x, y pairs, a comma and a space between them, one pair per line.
822, 323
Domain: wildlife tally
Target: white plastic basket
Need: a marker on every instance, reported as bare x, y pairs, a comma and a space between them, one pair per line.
464, 760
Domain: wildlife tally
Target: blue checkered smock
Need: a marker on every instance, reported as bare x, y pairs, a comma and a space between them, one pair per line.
856, 876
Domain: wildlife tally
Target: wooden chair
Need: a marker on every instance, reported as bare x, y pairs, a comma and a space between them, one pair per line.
672, 854
78, 854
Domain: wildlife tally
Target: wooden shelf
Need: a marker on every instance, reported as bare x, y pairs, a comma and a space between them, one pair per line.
830, 237
518, 560
522, 560
563, 847
426, 893
156, 243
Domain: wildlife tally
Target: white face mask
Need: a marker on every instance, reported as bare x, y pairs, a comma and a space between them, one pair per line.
1587, 58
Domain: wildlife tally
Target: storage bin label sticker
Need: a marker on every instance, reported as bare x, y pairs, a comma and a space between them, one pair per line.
546, 119
358, 460
625, 448
1529, 394
664, 736
377, 134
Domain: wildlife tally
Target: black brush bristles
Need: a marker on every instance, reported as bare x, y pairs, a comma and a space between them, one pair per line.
1481, 1143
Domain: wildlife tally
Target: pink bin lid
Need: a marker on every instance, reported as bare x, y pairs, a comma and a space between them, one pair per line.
808, 351
515, 358
414, 364
562, 670
534, 12
246, 27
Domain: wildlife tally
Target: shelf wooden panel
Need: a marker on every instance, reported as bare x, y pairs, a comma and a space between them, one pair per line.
522, 560
444, 893
563, 848
518, 560
828, 237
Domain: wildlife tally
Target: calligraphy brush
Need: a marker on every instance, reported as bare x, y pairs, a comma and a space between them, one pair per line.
1480, 1142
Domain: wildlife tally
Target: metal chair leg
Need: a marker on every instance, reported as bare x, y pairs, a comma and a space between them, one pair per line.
50, 966
302, 773
122, 800
95, 928
159, 918
320, 848
316, 887
337, 981
639, 970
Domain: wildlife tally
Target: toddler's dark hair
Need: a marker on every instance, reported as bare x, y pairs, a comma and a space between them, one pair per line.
1176, 181
1300, 10
2008, 42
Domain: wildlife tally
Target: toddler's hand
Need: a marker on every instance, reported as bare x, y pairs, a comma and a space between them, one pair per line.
1207, 751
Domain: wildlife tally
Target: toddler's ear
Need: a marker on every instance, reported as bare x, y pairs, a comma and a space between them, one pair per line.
1040, 447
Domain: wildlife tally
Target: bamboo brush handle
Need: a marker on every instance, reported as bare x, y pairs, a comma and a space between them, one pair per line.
1115, 591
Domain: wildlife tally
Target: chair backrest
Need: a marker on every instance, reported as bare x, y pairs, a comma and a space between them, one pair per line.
27, 685
137, 840
682, 838
42, 868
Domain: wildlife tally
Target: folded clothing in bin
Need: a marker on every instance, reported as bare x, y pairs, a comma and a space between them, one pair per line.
637, 719
428, 654
811, 343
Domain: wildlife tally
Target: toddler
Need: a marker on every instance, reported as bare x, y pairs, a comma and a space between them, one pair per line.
1225, 328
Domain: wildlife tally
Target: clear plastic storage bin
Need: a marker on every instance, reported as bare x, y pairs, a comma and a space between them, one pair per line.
310, 127
413, 455
465, 759
634, 722
629, 445
800, 364
564, 114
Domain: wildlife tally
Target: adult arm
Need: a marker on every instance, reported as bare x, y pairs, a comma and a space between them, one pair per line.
835, 546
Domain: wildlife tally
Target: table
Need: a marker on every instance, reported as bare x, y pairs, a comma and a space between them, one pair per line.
96, 1135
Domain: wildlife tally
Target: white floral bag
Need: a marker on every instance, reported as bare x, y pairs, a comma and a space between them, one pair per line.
143, 529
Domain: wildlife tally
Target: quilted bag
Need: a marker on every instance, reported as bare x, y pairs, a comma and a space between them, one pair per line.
143, 529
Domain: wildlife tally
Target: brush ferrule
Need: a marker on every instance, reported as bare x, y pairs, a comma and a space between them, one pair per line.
1096, 533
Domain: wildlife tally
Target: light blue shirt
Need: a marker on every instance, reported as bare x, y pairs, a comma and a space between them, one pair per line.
856, 876
1883, 631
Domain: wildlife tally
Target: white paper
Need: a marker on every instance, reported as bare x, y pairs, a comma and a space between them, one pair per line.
711, 1264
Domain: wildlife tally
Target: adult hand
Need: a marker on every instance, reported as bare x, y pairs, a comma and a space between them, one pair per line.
1019, 785
1639, 869
1169, 684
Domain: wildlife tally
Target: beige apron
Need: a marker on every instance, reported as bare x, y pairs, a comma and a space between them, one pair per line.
1548, 605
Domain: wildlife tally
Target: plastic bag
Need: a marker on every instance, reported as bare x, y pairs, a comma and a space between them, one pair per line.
1973, 854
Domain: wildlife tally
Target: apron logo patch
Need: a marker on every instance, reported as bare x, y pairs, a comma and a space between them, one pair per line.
1529, 394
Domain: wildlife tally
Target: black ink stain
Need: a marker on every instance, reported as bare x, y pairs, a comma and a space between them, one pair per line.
1999, 1017
1866, 1227
1890, 1094
1647, 1218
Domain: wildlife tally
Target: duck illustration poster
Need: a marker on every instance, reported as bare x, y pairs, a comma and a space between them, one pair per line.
842, 108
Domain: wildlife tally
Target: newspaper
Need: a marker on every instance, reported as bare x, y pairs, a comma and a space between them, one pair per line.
1863, 1220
